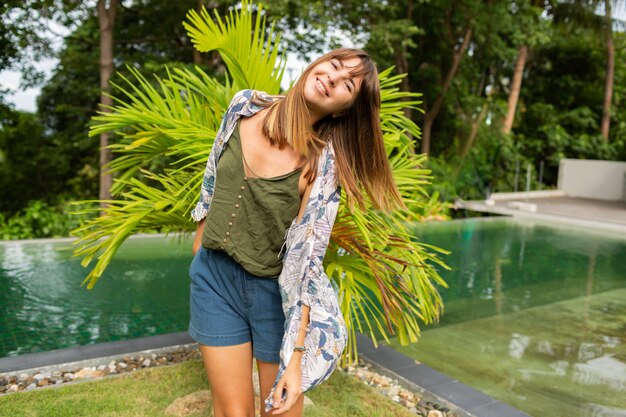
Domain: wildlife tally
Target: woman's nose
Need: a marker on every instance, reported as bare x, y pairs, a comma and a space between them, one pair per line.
335, 77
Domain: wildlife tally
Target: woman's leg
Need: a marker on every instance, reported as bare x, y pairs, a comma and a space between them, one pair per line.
267, 376
229, 369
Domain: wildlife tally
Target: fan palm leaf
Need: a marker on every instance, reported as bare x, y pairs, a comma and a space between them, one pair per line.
387, 281
251, 63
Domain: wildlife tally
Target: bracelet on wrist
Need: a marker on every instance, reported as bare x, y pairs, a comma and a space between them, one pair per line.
299, 349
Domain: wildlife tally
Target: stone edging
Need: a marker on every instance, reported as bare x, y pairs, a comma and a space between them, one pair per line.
88, 370
54, 375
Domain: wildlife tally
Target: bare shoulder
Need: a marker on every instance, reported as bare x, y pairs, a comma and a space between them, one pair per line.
304, 186
255, 120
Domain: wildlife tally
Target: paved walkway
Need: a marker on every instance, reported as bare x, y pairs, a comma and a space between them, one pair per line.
608, 215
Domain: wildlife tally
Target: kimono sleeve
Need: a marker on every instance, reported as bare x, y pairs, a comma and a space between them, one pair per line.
239, 100
328, 196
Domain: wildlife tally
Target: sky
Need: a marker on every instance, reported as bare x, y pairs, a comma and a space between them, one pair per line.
26, 99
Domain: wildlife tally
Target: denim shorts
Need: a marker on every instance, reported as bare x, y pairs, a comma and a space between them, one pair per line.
229, 306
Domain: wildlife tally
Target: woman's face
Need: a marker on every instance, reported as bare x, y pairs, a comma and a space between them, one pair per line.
329, 87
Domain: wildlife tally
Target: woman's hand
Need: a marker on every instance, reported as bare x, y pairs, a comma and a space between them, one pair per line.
290, 381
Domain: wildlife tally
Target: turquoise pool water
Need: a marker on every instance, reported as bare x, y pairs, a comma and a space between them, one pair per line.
535, 315
144, 292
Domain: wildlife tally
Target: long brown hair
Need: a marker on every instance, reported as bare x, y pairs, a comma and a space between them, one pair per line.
356, 135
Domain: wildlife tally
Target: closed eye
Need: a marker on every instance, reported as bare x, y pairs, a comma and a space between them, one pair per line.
347, 84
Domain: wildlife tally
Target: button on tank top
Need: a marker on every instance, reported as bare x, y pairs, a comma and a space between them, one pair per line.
249, 216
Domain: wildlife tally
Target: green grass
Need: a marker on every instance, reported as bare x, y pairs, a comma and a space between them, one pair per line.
148, 392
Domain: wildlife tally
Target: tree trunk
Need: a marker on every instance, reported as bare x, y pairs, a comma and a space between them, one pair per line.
516, 86
473, 132
402, 65
610, 70
106, 19
197, 57
431, 114
476, 121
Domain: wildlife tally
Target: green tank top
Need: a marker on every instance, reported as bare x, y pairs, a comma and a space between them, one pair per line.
249, 216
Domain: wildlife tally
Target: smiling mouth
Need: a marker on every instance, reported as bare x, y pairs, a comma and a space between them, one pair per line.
321, 87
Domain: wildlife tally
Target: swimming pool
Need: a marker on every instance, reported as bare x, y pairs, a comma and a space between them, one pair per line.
144, 292
535, 315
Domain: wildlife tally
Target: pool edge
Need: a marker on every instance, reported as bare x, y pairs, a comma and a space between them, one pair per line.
434, 386
95, 352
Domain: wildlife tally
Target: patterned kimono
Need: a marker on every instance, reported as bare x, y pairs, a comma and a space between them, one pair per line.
302, 280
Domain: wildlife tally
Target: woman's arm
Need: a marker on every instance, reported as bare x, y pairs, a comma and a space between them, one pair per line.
292, 378
304, 323
322, 218
197, 241
327, 205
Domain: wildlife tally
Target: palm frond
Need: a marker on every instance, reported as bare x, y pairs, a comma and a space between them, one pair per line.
387, 281
252, 59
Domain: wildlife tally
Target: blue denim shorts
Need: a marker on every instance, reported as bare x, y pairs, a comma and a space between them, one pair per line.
229, 306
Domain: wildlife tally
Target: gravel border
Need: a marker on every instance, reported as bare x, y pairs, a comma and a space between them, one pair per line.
106, 367
391, 388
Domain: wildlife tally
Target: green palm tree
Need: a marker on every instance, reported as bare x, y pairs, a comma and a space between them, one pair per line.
386, 281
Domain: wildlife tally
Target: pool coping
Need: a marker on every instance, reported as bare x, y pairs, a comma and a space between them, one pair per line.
71, 239
431, 384
613, 233
481, 206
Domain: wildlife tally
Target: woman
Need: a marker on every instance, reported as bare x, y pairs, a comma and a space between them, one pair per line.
265, 216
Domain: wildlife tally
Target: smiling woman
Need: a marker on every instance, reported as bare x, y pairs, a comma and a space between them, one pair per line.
245, 299
289, 157
341, 80
331, 87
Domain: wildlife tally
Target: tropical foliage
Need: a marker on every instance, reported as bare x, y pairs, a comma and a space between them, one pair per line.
39, 219
387, 282
556, 104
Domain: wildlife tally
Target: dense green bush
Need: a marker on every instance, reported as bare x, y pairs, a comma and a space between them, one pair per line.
39, 219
